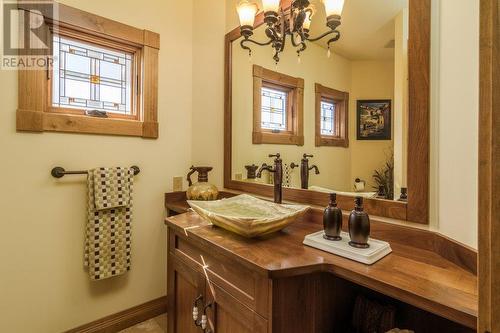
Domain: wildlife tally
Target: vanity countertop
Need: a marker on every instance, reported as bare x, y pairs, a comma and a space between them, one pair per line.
413, 275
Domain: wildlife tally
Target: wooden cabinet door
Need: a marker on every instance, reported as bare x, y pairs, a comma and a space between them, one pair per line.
228, 315
184, 286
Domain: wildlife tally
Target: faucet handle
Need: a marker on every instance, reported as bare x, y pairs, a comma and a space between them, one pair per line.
277, 155
308, 156
293, 165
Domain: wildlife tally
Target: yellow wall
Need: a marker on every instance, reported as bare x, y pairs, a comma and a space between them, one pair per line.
370, 80
43, 286
400, 120
454, 117
208, 87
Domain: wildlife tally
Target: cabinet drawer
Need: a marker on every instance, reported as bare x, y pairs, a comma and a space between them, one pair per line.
227, 315
239, 281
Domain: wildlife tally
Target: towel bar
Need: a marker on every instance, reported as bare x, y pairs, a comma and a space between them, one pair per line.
59, 172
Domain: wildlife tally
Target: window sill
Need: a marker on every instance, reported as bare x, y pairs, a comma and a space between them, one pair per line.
35, 121
277, 138
331, 142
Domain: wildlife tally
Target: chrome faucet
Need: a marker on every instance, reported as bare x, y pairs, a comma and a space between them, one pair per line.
278, 176
304, 170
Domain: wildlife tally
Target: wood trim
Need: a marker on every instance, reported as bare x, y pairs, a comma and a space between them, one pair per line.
419, 110
149, 92
277, 77
418, 141
341, 100
125, 319
94, 24
294, 87
31, 121
34, 112
489, 168
83, 124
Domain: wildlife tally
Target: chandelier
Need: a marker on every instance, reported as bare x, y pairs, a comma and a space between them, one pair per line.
294, 22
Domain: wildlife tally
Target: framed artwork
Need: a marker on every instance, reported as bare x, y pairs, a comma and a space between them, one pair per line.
374, 119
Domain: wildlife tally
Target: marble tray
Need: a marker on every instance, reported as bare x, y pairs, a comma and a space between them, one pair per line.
377, 250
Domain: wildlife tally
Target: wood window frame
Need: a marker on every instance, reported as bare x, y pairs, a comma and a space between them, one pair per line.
35, 112
294, 135
341, 101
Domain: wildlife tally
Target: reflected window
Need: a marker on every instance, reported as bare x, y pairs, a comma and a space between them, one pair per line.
90, 77
328, 118
274, 105
278, 108
331, 117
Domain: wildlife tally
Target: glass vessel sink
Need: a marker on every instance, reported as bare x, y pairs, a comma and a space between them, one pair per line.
248, 216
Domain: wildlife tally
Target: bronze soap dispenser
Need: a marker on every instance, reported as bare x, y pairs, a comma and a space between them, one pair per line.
332, 220
359, 226
202, 190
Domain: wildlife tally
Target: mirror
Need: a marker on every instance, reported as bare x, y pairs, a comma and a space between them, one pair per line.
345, 107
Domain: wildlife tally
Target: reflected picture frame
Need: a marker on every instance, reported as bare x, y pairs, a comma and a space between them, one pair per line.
374, 119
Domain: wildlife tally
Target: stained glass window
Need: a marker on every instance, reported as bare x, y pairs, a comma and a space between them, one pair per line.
328, 118
89, 77
274, 104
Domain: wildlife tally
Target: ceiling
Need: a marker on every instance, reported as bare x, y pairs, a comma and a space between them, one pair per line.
367, 29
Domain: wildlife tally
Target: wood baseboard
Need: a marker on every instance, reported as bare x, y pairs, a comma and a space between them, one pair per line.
121, 320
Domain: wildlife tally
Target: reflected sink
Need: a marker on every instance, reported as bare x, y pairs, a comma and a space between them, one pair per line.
350, 194
248, 216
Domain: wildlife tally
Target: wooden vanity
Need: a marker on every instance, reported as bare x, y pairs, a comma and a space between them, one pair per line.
276, 284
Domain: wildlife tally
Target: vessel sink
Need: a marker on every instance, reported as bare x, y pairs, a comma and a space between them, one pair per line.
247, 215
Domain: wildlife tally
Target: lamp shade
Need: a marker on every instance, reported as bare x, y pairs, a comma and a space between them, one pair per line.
271, 5
333, 7
246, 12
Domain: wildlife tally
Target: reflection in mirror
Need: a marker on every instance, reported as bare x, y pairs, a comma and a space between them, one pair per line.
339, 118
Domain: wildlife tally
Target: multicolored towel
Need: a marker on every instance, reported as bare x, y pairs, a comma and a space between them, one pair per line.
108, 231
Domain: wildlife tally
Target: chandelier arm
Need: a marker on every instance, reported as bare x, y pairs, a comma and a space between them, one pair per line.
242, 43
292, 39
326, 34
303, 48
248, 40
334, 39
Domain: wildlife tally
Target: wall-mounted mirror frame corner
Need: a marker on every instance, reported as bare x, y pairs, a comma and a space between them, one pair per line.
416, 209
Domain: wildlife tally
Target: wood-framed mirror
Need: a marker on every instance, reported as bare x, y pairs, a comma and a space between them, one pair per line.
396, 131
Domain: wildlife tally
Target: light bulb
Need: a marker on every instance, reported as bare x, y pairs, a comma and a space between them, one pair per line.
271, 5
246, 12
333, 7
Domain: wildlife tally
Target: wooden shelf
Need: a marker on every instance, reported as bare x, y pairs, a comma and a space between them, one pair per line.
412, 273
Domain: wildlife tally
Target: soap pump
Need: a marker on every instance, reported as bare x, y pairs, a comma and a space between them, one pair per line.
359, 226
332, 220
